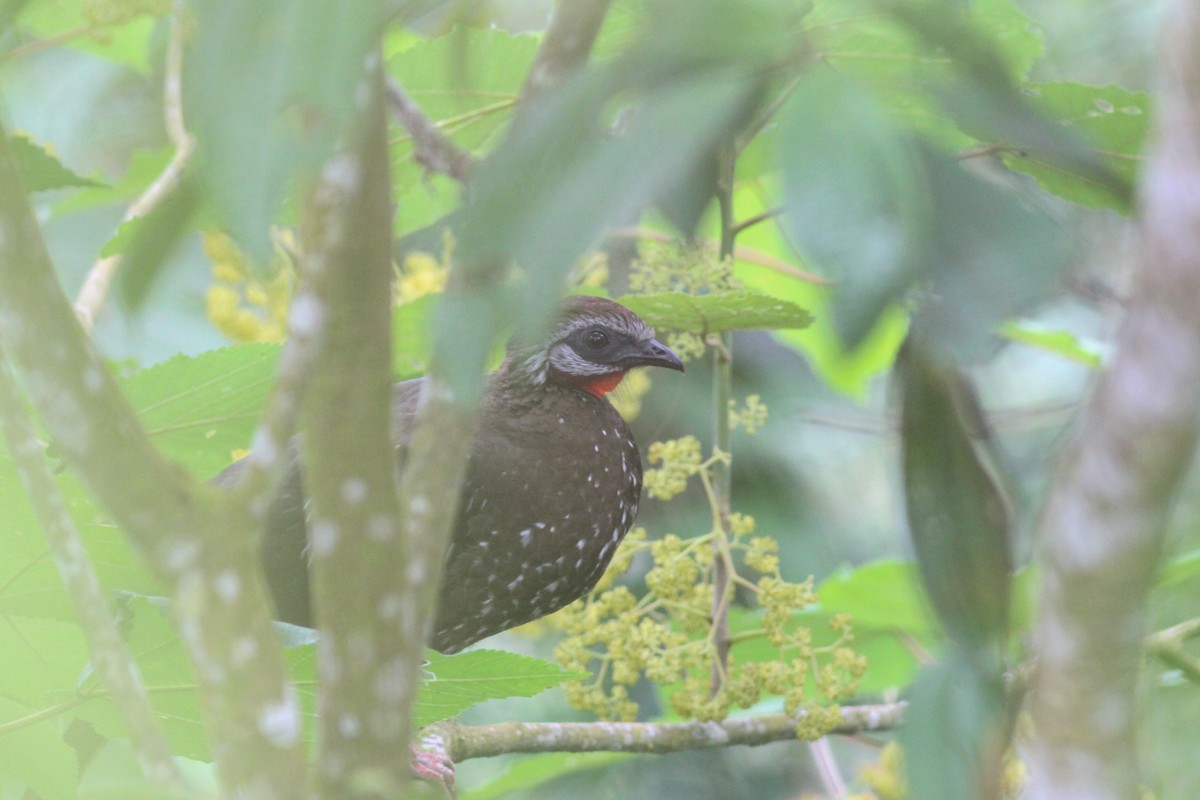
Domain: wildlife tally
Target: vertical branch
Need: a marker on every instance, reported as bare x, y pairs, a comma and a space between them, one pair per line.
109, 656
722, 468
368, 659
201, 547
566, 46
1103, 527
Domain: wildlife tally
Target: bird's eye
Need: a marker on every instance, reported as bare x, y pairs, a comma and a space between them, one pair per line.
596, 339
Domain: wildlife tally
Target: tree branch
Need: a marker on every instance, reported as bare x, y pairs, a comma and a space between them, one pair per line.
369, 661
1103, 527
566, 46
99, 279
433, 149
201, 547
108, 653
461, 742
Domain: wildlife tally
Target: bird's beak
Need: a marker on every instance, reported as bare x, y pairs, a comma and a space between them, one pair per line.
652, 353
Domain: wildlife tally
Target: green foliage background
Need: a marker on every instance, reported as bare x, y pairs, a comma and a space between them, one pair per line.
864, 153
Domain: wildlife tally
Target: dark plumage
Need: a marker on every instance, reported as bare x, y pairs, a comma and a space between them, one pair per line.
552, 485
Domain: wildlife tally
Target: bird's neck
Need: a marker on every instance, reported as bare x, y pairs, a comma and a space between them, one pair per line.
600, 385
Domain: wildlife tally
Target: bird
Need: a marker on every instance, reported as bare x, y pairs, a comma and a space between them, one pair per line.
553, 480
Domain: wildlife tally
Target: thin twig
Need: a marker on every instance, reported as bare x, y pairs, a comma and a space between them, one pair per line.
761, 216
1167, 645
99, 279
827, 768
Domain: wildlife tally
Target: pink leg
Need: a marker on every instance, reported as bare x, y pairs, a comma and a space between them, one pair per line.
436, 769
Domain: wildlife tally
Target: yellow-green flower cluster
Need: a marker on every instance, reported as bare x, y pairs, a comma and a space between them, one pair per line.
686, 268
750, 417
423, 273
670, 637
680, 459
681, 267
241, 305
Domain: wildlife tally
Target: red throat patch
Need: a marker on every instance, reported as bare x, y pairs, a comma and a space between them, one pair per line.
603, 384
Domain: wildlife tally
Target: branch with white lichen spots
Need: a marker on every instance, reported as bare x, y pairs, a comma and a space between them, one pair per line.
461, 742
1103, 529
196, 543
109, 656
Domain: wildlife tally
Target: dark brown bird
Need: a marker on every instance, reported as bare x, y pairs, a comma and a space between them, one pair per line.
552, 485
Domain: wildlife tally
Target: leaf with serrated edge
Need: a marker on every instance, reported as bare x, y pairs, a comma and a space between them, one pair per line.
714, 313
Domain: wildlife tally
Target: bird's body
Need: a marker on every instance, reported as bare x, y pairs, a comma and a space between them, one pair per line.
552, 485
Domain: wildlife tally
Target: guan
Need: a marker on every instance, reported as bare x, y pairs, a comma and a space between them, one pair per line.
552, 485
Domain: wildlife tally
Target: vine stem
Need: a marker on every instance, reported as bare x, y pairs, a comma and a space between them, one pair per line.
718, 481
98, 281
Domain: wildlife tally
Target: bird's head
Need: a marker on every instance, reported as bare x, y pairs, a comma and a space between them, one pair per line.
591, 346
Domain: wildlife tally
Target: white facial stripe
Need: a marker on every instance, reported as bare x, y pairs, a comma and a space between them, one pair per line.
564, 359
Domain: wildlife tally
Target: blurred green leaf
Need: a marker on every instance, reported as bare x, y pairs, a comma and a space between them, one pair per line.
41, 657
200, 409
714, 313
42, 171
35, 755
269, 89
151, 241
1063, 343
856, 199
958, 515
884, 595
1113, 121
466, 82
411, 341
992, 256
116, 31
955, 732
1180, 569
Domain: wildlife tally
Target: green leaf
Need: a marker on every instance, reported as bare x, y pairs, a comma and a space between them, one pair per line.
1180, 569
959, 516
856, 200
114, 773
42, 171
35, 755
714, 313
152, 239
41, 657
411, 341
1053, 340
956, 730
467, 83
467, 679
882, 595
199, 409
271, 87
117, 31
1114, 122
167, 675
991, 256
